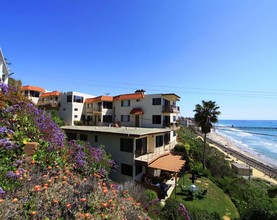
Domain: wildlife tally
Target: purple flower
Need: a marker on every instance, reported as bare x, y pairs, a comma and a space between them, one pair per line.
4, 88
12, 175
183, 211
17, 163
2, 193
6, 144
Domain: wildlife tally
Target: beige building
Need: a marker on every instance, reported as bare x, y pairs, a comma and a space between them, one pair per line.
32, 92
135, 150
4, 70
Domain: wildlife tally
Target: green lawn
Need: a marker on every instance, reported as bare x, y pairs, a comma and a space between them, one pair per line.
215, 199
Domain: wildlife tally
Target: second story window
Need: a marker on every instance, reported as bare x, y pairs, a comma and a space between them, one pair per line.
125, 103
126, 145
159, 141
78, 99
156, 101
69, 98
107, 105
156, 119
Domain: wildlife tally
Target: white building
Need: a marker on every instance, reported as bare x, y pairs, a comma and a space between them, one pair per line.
133, 110
4, 70
32, 92
72, 107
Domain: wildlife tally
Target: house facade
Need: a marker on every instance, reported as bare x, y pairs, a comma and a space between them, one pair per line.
135, 150
32, 92
72, 107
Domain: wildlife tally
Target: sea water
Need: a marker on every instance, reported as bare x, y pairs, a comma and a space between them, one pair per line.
253, 137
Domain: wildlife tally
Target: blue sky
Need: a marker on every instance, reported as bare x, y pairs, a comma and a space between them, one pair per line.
217, 50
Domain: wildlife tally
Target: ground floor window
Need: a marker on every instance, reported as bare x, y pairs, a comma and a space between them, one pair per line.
83, 137
138, 169
107, 118
126, 169
159, 141
156, 119
71, 136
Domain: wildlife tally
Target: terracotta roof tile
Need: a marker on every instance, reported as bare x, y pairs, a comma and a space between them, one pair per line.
99, 99
48, 94
138, 95
137, 111
32, 88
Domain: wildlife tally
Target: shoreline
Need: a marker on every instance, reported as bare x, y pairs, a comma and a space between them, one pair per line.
224, 141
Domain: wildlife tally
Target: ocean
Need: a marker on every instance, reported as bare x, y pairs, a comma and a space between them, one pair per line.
257, 137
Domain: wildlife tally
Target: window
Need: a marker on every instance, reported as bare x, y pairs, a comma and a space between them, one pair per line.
96, 138
75, 109
83, 137
174, 118
174, 133
125, 118
107, 118
78, 99
167, 137
125, 103
159, 141
75, 116
69, 98
64, 109
71, 136
26, 93
156, 119
138, 169
137, 100
126, 145
56, 98
126, 169
34, 94
141, 145
156, 101
108, 105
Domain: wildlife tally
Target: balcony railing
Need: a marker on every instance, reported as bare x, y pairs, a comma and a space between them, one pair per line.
49, 103
159, 151
171, 109
94, 110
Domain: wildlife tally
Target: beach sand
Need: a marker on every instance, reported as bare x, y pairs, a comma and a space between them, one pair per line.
229, 144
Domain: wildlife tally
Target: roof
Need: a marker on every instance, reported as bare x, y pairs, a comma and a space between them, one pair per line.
99, 99
32, 88
47, 94
241, 166
172, 96
169, 162
137, 95
137, 111
129, 131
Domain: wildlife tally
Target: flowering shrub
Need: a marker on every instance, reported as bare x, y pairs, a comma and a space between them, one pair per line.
61, 193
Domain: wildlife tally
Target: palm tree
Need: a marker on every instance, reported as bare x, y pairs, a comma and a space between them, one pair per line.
205, 115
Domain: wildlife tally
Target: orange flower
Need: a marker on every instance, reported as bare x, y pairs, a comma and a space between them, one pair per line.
64, 177
37, 188
83, 199
105, 190
33, 162
87, 215
33, 213
85, 179
96, 175
104, 205
49, 167
2, 200
110, 201
68, 205
122, 208
56, 201
15, 200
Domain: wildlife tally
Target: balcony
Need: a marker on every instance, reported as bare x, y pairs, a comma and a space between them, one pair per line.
171, 109
50, 103
94, 110
148, 157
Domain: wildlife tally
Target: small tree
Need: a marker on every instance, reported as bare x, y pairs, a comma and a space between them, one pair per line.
205, 115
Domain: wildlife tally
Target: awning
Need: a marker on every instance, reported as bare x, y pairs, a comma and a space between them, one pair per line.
170, 162
137, 111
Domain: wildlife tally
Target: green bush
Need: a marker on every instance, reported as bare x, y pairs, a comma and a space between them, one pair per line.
150, 195
170, 209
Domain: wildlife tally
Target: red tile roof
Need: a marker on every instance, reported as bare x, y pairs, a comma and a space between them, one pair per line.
137, 111
138, 95
48, 94
99, 99
32, 88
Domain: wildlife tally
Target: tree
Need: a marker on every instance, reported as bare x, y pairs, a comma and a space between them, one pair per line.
205, 115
